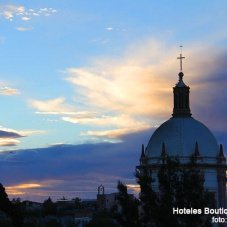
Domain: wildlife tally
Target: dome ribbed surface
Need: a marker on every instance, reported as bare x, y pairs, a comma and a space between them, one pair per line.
180, 135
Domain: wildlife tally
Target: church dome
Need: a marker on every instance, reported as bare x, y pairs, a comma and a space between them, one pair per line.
184, 137
180, 136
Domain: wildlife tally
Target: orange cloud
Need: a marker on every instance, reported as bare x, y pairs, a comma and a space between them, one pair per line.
9, 91
116, 133
129, 93
126, 89
52, 106
31, 188
25, 186
134, 187
135, 88
116, 120
137, 84
20, 189
8, 142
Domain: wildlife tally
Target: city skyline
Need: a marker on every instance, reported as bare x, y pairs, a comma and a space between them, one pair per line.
84, 84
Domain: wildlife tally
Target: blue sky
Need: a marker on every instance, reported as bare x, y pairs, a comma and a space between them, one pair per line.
86, 78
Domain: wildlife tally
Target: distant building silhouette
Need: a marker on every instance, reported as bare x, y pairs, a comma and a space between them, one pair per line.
106, 202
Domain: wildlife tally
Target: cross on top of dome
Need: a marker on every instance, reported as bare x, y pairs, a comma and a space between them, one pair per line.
181, 62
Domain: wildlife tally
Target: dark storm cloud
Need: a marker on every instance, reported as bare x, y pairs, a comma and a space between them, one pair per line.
77, 167
209, 94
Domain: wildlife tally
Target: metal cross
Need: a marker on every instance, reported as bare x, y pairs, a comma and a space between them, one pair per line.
180, 58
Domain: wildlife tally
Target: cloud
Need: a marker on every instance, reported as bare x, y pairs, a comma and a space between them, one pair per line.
136, 86
128, 94
31, 132
122, 98
122, 94
109, 29
9, 137
25, 186
8, 142
25, 18
21, 188
28, 187
139, 84
23, 29
5, 90
12, 12
116, 120
116, 133
134, 187
52, 106
125, 123
57, 106
71, 170
208, 90
133, 92
9, 133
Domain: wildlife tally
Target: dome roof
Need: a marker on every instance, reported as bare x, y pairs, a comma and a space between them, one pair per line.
180, 135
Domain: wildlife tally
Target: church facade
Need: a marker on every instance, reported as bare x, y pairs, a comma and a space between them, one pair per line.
184, 137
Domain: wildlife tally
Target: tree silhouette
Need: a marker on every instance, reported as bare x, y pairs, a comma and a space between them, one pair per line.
148, 197
179, 186
128, 207
78, 203
49, 207
103, 219
14, 211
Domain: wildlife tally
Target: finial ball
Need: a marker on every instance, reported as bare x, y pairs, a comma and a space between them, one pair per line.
180, 75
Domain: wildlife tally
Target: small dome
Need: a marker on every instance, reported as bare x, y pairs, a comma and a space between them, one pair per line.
180, 135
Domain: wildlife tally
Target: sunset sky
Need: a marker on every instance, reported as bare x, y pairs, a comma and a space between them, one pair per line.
84, 83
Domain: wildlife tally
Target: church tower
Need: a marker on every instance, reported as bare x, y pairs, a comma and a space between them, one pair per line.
184, 137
